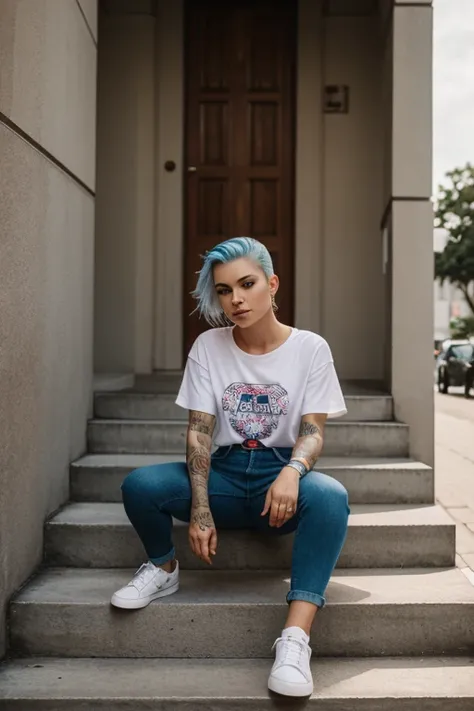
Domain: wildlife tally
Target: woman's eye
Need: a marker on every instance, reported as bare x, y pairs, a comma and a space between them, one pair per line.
248, 284
223, 292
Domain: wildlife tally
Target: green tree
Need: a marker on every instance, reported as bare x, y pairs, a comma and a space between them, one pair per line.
462, 327
454, 211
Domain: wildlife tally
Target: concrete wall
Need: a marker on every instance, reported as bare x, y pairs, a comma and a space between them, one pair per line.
126, 194
47, 158
412, 225
354, 296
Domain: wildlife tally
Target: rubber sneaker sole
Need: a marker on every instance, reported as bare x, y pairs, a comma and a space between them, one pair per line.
125, 604
286, 688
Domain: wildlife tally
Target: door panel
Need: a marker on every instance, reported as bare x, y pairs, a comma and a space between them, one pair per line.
240, 69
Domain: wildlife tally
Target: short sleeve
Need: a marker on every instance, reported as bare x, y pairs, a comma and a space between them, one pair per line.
196, 391
323, 392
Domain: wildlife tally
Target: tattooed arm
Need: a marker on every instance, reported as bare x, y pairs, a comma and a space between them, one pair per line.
282, 496
310, 440
202, 533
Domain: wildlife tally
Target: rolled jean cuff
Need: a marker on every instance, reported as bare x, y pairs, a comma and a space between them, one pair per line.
163, 558
306, 597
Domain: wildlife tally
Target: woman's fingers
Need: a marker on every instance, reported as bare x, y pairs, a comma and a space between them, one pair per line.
274, 508
213, 542
280, 513
200, 549
203, 543
289, 514
281, 496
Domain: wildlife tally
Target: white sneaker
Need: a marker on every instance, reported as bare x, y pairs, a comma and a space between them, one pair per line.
149, 583
291, 672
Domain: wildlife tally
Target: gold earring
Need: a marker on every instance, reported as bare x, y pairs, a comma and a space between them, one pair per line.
274, 303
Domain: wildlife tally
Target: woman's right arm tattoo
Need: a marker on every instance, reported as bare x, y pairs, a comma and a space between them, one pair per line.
198, 459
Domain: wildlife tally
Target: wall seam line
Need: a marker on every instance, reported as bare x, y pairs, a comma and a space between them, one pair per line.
87, 23
14, 128
398, 198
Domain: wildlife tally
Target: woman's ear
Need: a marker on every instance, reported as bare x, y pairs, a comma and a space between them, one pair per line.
273, 283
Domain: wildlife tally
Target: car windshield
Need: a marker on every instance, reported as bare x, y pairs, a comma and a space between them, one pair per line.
464, 352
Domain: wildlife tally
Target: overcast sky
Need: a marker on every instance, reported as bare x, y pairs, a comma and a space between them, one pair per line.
453, 85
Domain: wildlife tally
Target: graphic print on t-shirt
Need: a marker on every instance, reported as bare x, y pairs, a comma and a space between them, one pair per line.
255, 410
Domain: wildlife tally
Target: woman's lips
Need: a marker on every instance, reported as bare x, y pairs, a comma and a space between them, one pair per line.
240, 313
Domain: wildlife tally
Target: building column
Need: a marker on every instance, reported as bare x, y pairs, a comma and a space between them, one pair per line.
409, 224
169, 191
309, 168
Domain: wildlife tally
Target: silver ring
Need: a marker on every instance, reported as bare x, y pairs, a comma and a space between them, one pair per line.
290, 509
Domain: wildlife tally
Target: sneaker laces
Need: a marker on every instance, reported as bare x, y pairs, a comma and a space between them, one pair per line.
291, 652
142, 576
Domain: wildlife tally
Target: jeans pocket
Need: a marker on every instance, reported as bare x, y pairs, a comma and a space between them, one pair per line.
282, 454
221, 453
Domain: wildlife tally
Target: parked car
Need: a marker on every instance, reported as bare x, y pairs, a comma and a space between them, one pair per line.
438, 347
455, 366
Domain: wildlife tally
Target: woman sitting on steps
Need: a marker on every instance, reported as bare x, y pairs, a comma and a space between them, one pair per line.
261, 392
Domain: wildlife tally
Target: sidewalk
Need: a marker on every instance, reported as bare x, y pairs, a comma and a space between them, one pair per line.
454, 469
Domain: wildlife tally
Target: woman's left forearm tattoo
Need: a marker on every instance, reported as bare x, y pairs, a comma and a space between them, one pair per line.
309, 444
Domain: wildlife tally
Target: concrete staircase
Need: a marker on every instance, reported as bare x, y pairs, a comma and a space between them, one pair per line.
397, 631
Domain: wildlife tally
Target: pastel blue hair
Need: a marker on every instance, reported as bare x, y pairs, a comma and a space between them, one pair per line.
235, 248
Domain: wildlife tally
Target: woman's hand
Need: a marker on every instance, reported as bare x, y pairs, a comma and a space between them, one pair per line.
202, 533
282, 497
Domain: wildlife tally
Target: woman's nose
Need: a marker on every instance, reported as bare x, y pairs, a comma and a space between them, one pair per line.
236, 299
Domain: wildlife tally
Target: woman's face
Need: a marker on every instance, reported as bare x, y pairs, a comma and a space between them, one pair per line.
244, 291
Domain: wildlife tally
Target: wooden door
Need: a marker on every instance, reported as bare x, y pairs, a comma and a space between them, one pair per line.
240, 106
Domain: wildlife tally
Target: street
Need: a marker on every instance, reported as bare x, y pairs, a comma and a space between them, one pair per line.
454, 469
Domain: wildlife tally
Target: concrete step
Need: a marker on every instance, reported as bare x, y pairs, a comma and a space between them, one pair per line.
371, 480
99, 535
231, 614
350, 439
112, 382
160, 406
169, 381
373, 684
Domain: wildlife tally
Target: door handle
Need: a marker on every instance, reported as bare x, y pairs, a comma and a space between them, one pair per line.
192, 169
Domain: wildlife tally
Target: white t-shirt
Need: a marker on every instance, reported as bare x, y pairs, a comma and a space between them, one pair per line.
260, 396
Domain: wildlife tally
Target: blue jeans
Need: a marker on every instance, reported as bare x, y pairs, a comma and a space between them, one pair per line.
238, 483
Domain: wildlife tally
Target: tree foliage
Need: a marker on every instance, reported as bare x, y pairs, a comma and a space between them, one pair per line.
462, 327
454, 211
